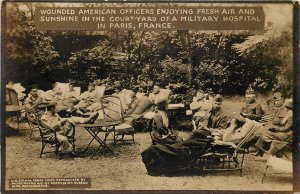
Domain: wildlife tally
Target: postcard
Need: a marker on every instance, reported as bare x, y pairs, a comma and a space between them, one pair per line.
150, 97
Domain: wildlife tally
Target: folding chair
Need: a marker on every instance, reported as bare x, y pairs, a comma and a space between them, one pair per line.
223, 156
54, 143
113, 112
12, 106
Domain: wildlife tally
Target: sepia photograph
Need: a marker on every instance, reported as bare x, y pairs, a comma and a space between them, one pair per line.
147, 97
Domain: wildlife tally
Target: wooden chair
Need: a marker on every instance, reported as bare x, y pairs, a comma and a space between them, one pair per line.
113, 112
54, 143
12, 107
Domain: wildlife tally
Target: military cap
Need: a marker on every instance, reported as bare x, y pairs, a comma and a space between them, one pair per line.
33, 86
218, 98
250, 91
277, 95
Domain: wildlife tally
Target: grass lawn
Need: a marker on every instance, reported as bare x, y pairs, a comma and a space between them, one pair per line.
124, 169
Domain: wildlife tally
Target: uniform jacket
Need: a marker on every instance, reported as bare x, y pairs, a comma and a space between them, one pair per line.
253, 109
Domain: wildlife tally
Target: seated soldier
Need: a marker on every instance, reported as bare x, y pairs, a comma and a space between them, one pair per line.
165, 158
54, 95
238, 129
157, 94
280, 109
61, 126
201, 106
217, 119
33, 99
251, 110
279, 114
161, 134
117, 88
281, 131
68, 100
89, 101
138, 108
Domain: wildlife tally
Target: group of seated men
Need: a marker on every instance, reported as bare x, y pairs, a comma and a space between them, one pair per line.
55, 101
206, 109
210, 120
64, 109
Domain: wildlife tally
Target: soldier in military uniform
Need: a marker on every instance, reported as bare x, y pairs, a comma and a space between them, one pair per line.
53, 95
68, 100
33, 99
61, 126
156, 95
88, 99
217, 119
278, 115
280, 130
280, 110
251, 110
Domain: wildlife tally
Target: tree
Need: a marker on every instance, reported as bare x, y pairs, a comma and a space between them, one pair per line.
30, 54
271, 53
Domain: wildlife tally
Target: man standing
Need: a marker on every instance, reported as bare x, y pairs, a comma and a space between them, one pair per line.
251, 110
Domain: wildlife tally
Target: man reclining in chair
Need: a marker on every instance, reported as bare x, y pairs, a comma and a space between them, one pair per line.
138, 108
200, 107
51, 121
68, 100
160, 159
89, 100
53, 95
